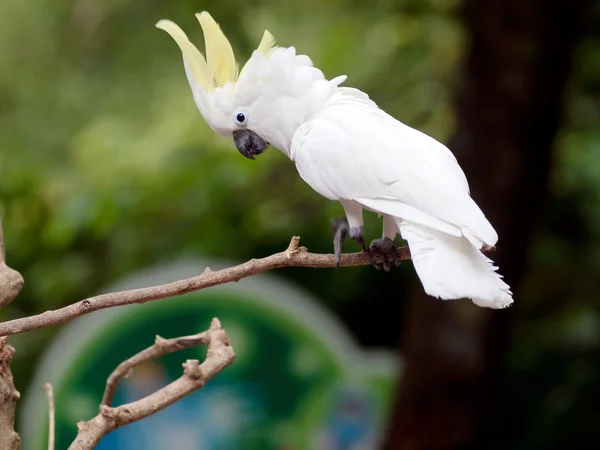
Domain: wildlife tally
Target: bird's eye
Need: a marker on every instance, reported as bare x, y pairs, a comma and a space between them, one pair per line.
240, 118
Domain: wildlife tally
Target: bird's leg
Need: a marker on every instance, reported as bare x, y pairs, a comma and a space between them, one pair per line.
351, 226
340, 230
383, 252
356, 234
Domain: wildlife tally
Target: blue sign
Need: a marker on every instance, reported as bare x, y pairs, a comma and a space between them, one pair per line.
299, 381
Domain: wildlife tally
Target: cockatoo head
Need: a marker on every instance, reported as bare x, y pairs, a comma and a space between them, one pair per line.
265, 102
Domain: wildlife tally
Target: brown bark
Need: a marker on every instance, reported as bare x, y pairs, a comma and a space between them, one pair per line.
11, 283
509, 109
9, 395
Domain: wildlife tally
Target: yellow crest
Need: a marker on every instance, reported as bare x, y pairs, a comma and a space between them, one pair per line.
220, 66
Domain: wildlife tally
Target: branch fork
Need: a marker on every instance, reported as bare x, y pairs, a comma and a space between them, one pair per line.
195, 375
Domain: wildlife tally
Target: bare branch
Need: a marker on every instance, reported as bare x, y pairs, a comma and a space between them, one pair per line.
293, 256
11, 281
9, 439
195, 375
51, 421
161, 347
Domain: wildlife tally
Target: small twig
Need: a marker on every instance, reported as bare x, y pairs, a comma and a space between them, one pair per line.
293, 256
293, 248
51, 421
195, 375
161, 347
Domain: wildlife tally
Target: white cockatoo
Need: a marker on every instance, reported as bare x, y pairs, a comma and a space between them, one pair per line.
347, 149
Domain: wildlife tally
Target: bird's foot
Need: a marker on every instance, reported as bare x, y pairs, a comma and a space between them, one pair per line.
384, 253
341, 229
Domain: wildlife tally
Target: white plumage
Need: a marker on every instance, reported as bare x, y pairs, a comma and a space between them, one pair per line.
346, 148
352, 150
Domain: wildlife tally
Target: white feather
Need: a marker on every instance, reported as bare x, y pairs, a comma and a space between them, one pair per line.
355, 151
449, 267
346, 148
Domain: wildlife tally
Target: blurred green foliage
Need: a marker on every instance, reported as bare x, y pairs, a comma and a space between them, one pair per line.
106, 166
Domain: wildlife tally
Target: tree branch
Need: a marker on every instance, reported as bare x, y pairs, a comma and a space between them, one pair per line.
9, 395
161, 347
293, 256
11, 281
195, 375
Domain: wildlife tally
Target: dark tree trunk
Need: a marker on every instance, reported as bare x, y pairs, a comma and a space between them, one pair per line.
509, 109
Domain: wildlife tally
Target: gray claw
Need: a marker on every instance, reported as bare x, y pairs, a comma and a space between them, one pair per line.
340, 229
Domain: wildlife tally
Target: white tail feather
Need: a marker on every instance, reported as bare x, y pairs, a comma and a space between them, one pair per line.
449, 267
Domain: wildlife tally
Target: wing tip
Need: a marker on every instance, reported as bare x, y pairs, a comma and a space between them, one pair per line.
503, 302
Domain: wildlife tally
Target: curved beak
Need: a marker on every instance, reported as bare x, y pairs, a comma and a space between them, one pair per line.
249, 143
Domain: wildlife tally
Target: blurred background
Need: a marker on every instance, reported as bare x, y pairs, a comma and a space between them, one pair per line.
107, 168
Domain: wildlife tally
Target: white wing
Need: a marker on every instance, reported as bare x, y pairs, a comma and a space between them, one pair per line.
449, 268
353, 150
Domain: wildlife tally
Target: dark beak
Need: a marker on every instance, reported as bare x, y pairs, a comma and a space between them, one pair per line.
249, 143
